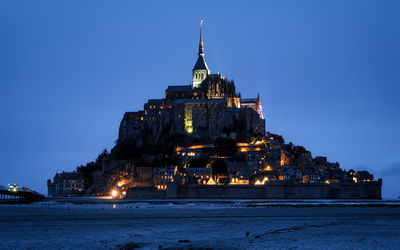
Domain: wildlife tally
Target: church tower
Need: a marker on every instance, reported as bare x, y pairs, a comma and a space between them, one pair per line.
200, 70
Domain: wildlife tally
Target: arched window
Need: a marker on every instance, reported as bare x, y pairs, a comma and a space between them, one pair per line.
196, 75
202, 76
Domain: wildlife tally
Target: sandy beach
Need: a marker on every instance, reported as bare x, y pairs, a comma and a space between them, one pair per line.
197, 225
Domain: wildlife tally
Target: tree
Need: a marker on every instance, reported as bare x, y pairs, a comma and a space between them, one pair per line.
126, 151
102, 156
198, 163
225, 146
276, 137
219, 167
90, 167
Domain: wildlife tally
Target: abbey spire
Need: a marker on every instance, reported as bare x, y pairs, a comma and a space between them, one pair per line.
201, 45
200, 70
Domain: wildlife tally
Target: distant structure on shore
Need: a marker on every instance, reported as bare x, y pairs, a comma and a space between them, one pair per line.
203, 140
66, 184
13, 194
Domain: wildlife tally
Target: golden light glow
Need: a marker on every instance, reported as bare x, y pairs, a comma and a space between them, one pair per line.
178, 149
120, 183
258, 182
242, 144
237, 181
244, 149
265, 180
188, 119
267, 168
211, 182
161, 187
196, 146
114, 193
12, 187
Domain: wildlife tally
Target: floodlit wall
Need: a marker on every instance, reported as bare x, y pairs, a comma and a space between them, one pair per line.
370, 190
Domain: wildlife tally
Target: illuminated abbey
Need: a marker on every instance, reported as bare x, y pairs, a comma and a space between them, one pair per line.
207, 108
202, 140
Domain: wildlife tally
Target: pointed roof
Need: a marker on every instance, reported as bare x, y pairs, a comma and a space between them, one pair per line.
201, 62
201, 45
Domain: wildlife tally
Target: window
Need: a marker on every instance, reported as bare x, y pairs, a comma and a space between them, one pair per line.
202, 75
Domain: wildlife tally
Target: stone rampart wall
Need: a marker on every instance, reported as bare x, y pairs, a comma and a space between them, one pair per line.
370, 190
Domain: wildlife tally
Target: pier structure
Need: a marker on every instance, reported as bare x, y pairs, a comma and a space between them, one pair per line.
24, 196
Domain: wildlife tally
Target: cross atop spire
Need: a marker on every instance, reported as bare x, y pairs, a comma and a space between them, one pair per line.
201, 46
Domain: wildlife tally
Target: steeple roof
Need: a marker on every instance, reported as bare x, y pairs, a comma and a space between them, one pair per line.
201, 62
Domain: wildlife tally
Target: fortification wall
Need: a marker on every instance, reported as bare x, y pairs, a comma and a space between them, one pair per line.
370, 190
146, 193
296, 191
366, 190
220, 192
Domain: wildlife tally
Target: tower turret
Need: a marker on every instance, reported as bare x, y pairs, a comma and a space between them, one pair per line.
200, 70
259, 107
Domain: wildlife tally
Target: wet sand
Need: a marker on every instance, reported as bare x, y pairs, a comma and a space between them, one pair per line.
187, 225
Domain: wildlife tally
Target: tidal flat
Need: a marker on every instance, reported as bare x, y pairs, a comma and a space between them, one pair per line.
200, 225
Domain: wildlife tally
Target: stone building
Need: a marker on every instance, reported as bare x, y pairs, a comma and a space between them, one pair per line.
164, 176
202, 109
66, 184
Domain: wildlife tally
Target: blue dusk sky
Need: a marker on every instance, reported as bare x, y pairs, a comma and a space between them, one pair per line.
328, 73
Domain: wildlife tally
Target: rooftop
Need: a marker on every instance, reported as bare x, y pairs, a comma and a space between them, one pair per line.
200, 63
220, 100
178, 88
248, 100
